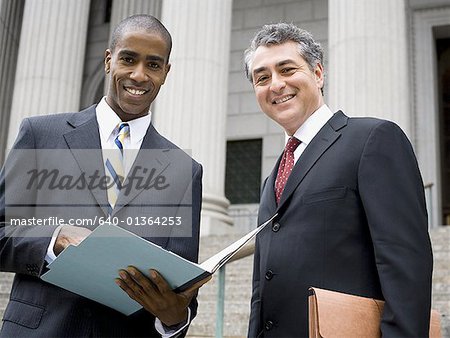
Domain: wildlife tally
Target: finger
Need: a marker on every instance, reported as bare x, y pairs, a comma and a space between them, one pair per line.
160, 282
125, 288
137, 292
130, 282
194, 288
141, 280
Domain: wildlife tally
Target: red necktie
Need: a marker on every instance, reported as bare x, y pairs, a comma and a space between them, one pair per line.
285, 168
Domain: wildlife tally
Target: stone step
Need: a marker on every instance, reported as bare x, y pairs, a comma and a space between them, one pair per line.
238, 288
440, 238
238, 279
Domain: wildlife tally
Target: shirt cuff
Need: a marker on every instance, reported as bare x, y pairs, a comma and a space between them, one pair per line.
167, 332
50, 256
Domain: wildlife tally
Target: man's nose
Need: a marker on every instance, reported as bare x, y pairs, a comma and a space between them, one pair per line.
139, 73
278, 83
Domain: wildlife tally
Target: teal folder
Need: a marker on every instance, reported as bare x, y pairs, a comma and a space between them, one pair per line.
90, 268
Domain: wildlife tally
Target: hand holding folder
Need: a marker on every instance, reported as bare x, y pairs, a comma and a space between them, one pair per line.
90, 269
156, 296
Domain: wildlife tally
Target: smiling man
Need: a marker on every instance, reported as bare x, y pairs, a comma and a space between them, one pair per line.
137, 64
349, 198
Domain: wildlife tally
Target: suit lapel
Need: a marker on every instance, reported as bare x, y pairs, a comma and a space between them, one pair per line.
319, 144
84, 143
268, 194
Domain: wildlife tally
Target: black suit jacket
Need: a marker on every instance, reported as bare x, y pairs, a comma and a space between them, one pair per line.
352, 218
39, 309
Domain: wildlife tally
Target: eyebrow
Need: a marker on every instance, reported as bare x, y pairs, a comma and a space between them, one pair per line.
147, 58
278, 64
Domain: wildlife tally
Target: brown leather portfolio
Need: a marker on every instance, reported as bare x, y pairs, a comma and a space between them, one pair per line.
335, 314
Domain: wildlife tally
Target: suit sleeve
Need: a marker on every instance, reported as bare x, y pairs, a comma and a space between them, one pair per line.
392, 194
22, 248
188, 247
193, 245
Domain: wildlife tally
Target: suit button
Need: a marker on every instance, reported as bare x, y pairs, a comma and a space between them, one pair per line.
276, 226
269, 274
268, 325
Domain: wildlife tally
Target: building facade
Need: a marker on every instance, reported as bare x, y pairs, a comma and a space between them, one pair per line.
383, 58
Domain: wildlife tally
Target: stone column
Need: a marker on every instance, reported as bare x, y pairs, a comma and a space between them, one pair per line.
368, 63
50, 61
191, 107
124, 8
11, 12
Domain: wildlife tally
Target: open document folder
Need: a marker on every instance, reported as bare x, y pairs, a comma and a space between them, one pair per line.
90, 268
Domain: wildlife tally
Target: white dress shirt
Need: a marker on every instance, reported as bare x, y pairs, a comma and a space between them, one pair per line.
310, 128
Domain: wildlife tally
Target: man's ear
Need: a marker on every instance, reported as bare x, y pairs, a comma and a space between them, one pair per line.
318, 73
167, 69
107, 60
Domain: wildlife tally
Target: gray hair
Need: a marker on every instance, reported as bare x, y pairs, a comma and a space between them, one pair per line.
279, 33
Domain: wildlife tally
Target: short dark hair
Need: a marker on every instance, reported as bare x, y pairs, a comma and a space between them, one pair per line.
279, 33
144, 22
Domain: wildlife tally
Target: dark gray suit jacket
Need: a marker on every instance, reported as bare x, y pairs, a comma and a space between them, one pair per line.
39, 309
353, 219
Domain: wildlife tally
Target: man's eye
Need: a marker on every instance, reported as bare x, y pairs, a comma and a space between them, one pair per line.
261, 79
287, 70
154, 65
128, 59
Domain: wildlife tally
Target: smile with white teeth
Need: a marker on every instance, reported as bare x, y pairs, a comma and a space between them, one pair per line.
135, 91
283, 99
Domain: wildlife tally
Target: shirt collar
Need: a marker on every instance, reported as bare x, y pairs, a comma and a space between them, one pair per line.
108, 120
312, 125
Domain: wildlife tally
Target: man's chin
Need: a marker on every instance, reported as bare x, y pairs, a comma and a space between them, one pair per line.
135, 110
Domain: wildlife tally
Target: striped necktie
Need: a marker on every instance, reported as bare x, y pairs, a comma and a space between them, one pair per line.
114, 165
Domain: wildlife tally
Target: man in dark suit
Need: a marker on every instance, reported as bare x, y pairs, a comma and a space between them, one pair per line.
137, 63
349, 197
